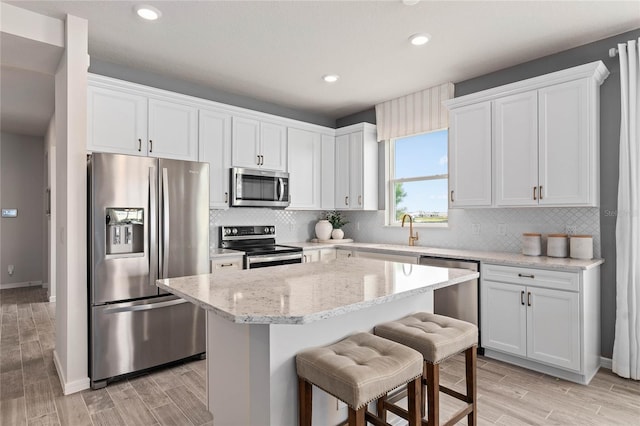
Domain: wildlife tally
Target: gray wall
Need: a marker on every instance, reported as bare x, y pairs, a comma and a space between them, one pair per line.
22, 181
367, 116
193, 89
609, 147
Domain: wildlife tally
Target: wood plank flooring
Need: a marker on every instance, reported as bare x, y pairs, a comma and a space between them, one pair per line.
30, 392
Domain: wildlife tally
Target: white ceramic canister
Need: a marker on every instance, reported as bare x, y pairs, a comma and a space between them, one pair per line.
323, 230
531, 244
557, 245
581, 246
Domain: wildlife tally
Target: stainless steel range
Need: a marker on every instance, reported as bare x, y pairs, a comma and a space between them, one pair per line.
259, 245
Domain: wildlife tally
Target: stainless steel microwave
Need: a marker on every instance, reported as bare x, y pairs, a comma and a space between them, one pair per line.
259, 188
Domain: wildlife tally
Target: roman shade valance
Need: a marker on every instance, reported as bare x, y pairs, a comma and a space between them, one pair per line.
415, 113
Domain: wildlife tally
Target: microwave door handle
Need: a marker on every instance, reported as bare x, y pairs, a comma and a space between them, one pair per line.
152, 227
280, 189
165, 223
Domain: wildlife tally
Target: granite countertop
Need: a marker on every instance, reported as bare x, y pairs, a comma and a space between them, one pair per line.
302, 293
217, 253
504, 258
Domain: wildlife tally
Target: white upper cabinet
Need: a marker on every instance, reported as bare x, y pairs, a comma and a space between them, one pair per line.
327, 199
516, 149
116, 122
356, 168
214, 135
470, 156
123, 121
258, 144
568, 148
305, 169
544, 136
173, 130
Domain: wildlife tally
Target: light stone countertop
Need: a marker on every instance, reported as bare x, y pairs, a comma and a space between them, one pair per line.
503, 258
218, 253
307, 292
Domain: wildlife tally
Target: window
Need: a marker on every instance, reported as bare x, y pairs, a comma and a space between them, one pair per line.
418, 178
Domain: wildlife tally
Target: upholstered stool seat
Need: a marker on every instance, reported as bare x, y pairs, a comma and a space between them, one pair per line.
357, 370
437, 338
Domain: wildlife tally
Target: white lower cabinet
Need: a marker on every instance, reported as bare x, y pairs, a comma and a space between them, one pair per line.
402, 258
545, 320
317, 255
226, 263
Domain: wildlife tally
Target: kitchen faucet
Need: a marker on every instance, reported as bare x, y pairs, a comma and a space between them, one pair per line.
412, 238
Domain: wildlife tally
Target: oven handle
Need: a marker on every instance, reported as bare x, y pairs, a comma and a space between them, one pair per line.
271, 258
280, 192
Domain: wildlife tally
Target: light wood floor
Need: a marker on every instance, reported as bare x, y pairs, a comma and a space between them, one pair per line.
30, 391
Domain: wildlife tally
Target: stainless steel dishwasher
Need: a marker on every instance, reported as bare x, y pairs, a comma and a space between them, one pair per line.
460, 300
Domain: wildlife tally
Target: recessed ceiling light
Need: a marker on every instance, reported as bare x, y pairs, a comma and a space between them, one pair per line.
147, 12
330, 78
410, 2
419, 39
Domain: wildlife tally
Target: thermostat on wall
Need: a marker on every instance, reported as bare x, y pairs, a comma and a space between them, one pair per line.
9, 212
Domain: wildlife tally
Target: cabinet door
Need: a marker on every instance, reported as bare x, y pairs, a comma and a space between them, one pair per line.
553, 327
304, 158
504, 317
245, 143
173, 130
470, 156
566, 150
327, 182
309, 256
214, 147
273, 146
356, 170
328, 254
116, 122
342, 172
515, 132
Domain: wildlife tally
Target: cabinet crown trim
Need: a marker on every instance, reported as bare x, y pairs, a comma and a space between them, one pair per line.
597, 71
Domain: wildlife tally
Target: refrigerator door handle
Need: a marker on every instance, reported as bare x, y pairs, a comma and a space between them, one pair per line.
165, 223
145, 307
152, 229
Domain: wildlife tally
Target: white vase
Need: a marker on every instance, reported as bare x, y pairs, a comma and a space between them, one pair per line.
323, 230
337, 234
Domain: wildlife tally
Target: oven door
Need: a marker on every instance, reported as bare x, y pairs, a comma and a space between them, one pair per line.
262, 261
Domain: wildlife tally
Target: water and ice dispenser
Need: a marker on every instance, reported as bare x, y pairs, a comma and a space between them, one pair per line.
125, 231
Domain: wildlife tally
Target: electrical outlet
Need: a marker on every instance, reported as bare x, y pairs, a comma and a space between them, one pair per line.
11, 269
475, 228
502, 229
571, 229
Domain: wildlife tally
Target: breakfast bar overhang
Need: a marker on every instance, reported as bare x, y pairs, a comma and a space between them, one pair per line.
257, 320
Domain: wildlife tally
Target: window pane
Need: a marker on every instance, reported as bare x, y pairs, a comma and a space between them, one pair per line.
425, 200
421, 155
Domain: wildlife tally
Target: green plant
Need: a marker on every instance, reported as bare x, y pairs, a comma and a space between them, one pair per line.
335, 219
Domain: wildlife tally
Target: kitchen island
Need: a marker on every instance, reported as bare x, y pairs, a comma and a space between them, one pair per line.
257, 320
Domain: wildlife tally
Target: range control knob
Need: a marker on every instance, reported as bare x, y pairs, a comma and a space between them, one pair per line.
266, 230
234, 231
227, 231
272, 230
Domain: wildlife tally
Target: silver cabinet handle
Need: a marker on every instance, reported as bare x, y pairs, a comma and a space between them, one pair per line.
226, 197
522, 297
304, 258
165, 223
452, 195
346, 200
359, 200
540, 192
258, 160
150, 145
526, 276
139, 145
528, 298
534, 193
225, 265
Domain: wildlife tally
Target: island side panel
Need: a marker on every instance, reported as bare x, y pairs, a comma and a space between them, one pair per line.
285, 341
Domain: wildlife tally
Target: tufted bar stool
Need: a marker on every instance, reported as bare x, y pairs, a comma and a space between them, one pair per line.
358, 370
437, 338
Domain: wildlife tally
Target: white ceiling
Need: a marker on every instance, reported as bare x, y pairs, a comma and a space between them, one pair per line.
277, 51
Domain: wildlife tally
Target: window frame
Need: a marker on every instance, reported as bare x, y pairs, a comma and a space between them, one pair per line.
390, 207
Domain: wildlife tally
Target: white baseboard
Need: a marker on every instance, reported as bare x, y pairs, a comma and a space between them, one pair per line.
69, 387
606, 363
23, 284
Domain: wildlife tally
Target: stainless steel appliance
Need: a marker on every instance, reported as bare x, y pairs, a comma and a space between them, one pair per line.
259, 245
259, 188
148, 219
457, 301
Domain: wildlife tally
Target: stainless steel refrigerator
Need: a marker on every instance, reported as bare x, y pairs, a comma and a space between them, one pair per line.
148, 219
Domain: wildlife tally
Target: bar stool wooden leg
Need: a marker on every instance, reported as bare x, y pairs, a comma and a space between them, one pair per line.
381, 410
423, 400
472, 392
305, 397
356, 417
433, 394
414, 392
